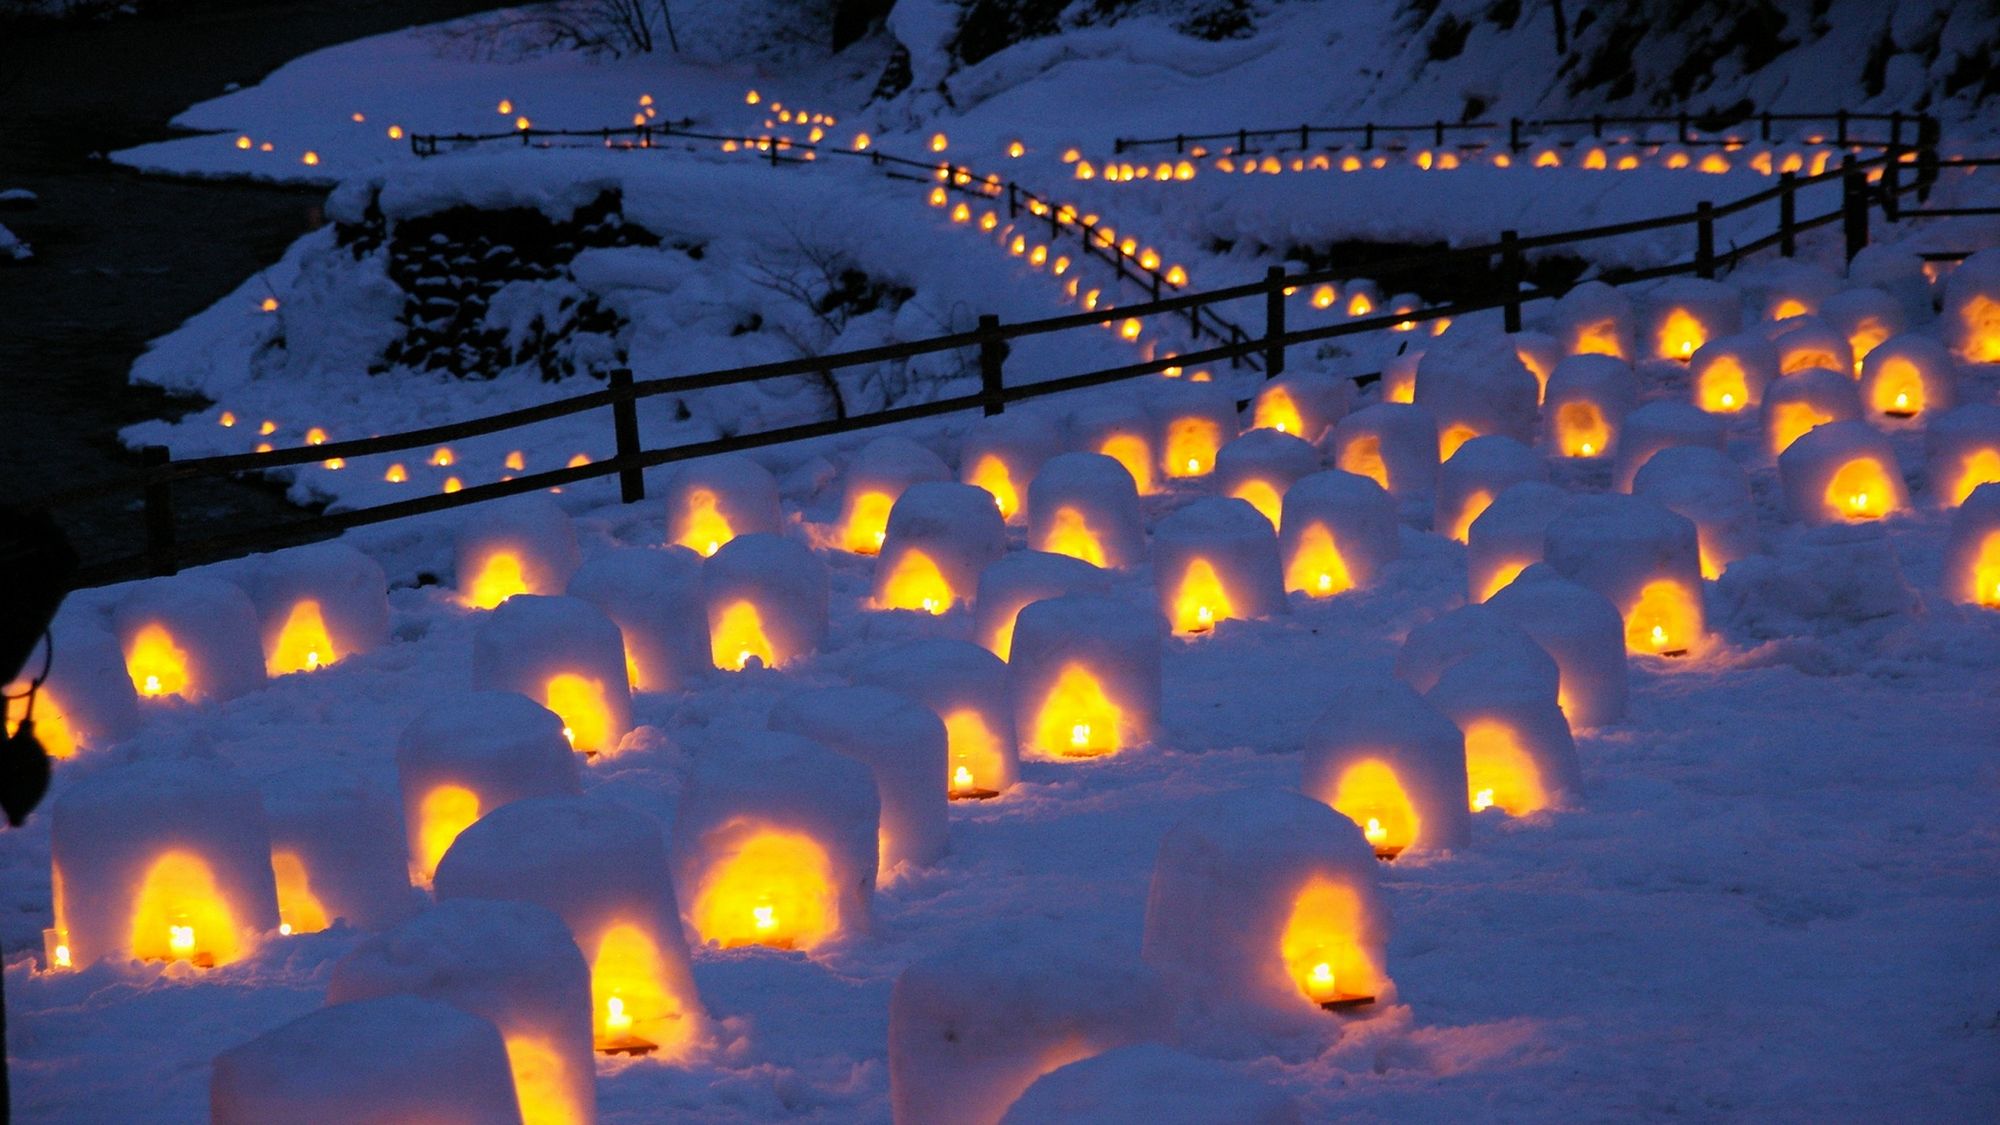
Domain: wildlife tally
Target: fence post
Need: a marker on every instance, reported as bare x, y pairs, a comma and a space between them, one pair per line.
1788, 214
1892, 182
992, 351
1704, 247
1437, 135
625, 431
1274, 321
1242, 141
1928, 134
1854, 206
1013, 199
1840, 128
1305, 137
1368, 135
1597, 126
1513, 134
1180, 144
1682, 127
160, 560
1510, 277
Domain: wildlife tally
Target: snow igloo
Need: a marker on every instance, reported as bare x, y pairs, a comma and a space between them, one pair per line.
716, 499
1008, 586
1385, 759
89, 701
1642, 557
1304, 404
1582, 632
566, 655
602, 868
1395, 445
1660, 425
940, 536
1507, 538
1519, 755
1340, 530
1086, 506
1481, 469
767, 602
653, 596
466, 756
876, 478
1258, 467
189, 637
1972, 553
337, 852
1585, 407
1971, 313
1474, 383
1962, 452
1122, 430
1805, 343
1798, 402
965, 686
318, 605
1595, 319
1728, 375
1216, 560
1683, 314
1442, 643
1908, 376
1003, 453
1713, 491
1085, 677
1867, 318
524, 545
1842, 471
903, 743
1193, 420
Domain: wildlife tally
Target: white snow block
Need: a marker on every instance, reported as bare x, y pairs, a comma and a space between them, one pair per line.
1474, 383
162, 860
1807, 342
1908, 376
970, 1031
565, 654
1787, 289
1148, 1082
89, 701
1340, 530
1085, 677
716, 499
337, 851
1582, 632
1264, 906
1897, 271
1663, 424
1086, 506
1796, 403
1842, 471
1003, 453
1595, 319
902, 742
385, 1061
1822, 580
767, 602
1385, 759
602, 868
1962, 452
1728, 375
1866, 317
1121, 429
1684, 313
1643, 558
1216, 560
1399, 376
512, 964
1023, 577
653, 595
1260, 465
1539, 352
317, 605
524, 545
1440, 644
1519, 755
941, 534
875, 479
1192, 421
1708, 488
1304, 404
1395, 445
1482, 469
1970, 319
775, 843
965, 686
466, 756
190, 636
1507, 537
1585, 407
1972, 553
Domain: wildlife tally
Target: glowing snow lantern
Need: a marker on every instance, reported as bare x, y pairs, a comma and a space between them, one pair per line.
1085, 505
1972, 553
602, 868
1395, 445
1703, 484
1003, 453
1260, 466
1478, 633
1539, 352
395, 1058
1482, 469
1595, 319
1474, 383
1728, 376
1641, 556
162, 860
191, 637
1971, 312
1797, 403
1683, 314
711, 501
876, 477
1304, 404
903, 743
522, 546
654, 596
1842, 471
965, 686
1265, 906
565, 654
1339, 531
88, 701
467, 756
1193, 420
1582, 632
1506, 538
1866, 317
1009, 585
1385, 759
337, 851
1586, 403
1962, 452
1399, 375
776, 841
1661, 424
767, 602
319, 604
940, 536
1809, 343
1216, 560
1085, 673
513, 964
1519, 755
1122, 431
1908, 376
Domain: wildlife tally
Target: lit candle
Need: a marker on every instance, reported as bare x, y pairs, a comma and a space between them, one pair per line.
180, 939
1482, 800
1319, 983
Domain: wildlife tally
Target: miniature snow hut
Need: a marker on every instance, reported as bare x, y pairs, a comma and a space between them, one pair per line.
1387, 760
1214, 560
1842, 471
1086, 506
1259, 466
1085, 675
940, 536
191, 637
1642, 557
524, 545
1908, 376
1708, 488
876, 479
1340, 530
965, 686
653, 595
902, 742
1481, 469
716, 499
767, 602
318, 604
466, 756
564, 654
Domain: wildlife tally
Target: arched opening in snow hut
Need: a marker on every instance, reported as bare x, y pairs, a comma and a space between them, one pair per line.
442, 813
1597, 337
1371, 795
497, 576
1665, 619
1722, 386
1321, 949
775, 890
179, 914
1499, 771
1132, 451
1981, 466
1679, 334
1069, 533
303, 643
1275, 410
1362, 456
1453, 436
585, 711
976, 758
1860, 489
865, 524
916, 583
1581, 429
1316, 567
1077, 718
704, 527
299, 909
1898, 388
1201, 599
737, 637
158, 665
633, 1007
990, 472
1190, 446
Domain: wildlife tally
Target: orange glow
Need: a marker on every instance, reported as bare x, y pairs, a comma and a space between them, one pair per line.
1722, 386
1316, 568
774, 889
738, 637
939, 142
1498, 772
977, 759
1801, 356
1324, 297
916, 583
1860, 490
1680, 335
1363, 457
1548, 159
1597, 338
299, 910
1791, 421
1985, 576
990, 473
630, 1003
541, 1082
1474, 505
1980, 317
1665, 621
1714, 164
157, 665
52, 726
1191, 446
498, 578
1628, 162
1263, 496
1453, 437
1131, 451
1319, 946
1581, 430
180, 915
1369, 794
1866, 337
1201, 600
453, 484
1275, 410
1076, 719
1594, 159
868, 521
1678, 160
303, 644
1503, 575
578, 461
1899, 392
397, 474
443, 457
585, 713
268, 304
1788, 307
1981, 466
444, 812
705, 529
1069, 534
1360, 305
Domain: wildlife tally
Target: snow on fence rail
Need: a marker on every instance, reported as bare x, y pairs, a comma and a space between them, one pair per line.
165, 555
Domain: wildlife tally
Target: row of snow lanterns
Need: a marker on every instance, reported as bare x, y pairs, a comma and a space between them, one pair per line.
1810, 160
396, 472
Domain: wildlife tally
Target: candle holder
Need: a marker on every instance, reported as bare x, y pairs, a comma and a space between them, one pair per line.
875, 479
525, 545
716, 499
1643, 558
566, 655
318, 604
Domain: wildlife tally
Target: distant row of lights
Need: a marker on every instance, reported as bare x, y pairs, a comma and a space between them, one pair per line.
1593, 158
